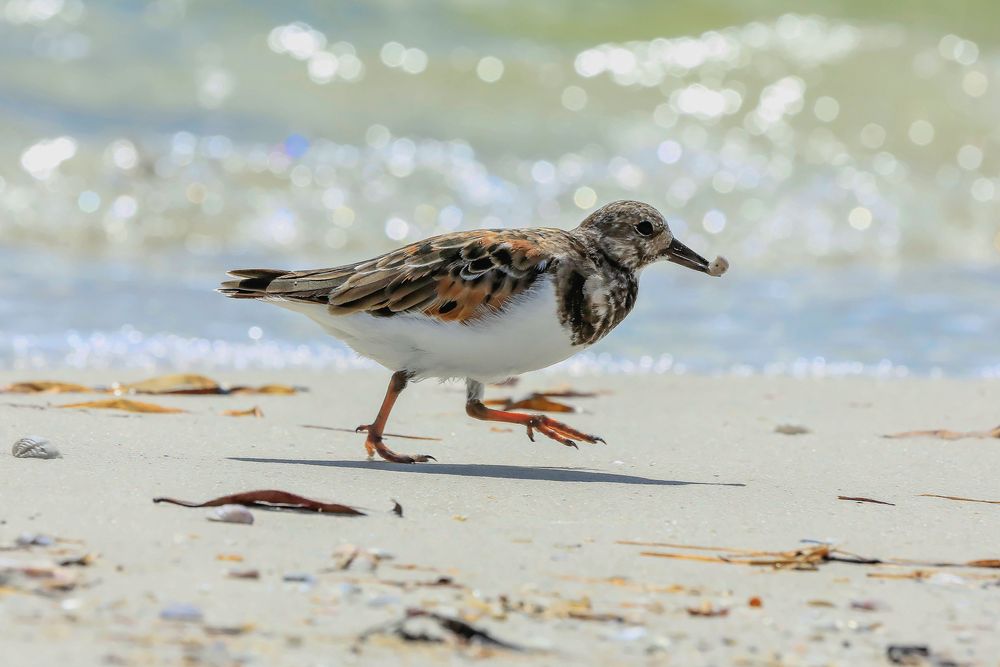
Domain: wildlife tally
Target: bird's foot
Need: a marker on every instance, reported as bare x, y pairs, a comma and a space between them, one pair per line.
374, 444
562, 433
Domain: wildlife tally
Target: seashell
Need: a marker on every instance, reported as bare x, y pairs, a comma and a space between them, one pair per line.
230, 514
35, 447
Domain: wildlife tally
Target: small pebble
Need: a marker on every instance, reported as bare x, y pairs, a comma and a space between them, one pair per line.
299, 577
181, 611
791, 429
34, 540
629, 634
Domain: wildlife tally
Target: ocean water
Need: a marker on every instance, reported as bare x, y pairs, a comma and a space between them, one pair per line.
846, 162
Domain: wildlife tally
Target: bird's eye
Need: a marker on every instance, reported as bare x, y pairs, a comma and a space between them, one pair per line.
644, 228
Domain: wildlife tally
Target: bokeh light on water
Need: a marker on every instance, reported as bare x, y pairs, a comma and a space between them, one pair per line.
845, 164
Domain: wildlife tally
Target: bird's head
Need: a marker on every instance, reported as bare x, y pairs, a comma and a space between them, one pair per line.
634, 235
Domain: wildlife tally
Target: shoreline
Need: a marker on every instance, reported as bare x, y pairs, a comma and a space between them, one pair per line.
690, 461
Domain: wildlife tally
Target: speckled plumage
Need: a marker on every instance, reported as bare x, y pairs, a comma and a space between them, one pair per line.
483, 304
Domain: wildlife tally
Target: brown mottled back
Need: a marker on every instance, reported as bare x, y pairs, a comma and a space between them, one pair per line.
452, 277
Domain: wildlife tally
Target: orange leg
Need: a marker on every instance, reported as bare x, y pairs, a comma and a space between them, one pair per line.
551, 428
373, 443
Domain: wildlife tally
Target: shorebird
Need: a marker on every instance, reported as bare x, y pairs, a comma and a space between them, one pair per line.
483, 305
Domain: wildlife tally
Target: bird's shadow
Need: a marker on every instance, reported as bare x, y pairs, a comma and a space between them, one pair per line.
497, 471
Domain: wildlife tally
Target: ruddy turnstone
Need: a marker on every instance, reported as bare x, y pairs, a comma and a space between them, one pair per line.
483, 305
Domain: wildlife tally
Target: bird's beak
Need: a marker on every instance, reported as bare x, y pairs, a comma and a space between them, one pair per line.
678, 253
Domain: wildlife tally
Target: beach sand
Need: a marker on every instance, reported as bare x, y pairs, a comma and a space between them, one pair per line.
520, 539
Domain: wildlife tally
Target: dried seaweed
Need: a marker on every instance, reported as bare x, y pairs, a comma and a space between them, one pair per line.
536, 401
967, 500
126, 404
45, 387
170, 384
178, 383
945, 434
861, 499
456, 630
255, 411
270, 499
808, 558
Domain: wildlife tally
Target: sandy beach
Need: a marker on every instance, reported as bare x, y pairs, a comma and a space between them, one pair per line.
522, 541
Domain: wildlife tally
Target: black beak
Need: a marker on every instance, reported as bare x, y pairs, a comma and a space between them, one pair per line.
678, 253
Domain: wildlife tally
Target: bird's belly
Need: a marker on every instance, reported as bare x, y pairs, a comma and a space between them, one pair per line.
526, 336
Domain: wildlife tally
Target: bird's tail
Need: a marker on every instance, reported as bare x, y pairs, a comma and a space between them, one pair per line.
249, 283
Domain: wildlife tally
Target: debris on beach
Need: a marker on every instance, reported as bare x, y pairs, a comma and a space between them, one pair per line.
707, 610
191, 384
918, 655
791, 429
243, 573
177, 383
542, 400
270, 499
959, 498
230, 514
45, 387
348, 555
539, 402
126, 404
945, 434
397, 509
255, 411
806, 558
41, 576
182, 612
35, 447
419, 625
861, 499
168, 384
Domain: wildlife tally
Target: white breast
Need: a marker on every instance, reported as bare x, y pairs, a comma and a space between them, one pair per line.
526, 336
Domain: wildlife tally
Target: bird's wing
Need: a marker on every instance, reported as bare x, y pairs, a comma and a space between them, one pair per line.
453, 277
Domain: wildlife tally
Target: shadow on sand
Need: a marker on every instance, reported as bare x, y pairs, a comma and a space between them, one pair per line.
544, 474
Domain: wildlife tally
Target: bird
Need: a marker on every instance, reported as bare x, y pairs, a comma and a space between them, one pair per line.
483, 305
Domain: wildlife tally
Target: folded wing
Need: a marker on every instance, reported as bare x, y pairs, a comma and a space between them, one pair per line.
453, 277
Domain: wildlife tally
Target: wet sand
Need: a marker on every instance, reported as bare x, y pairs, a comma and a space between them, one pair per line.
520, 539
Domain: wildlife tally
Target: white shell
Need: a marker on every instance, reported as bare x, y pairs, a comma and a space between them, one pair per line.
230, 514
35, 447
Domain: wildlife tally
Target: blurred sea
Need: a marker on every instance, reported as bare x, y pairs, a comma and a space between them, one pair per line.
845, 161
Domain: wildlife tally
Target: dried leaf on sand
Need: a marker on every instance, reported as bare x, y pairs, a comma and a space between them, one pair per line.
861, 499
170, 384
538, 402
177, 383
945, 434
255, 411
125, 404
270, 499
45, 387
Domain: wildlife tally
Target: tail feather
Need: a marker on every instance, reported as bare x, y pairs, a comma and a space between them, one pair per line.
250, 283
